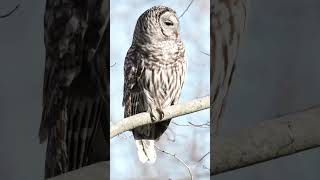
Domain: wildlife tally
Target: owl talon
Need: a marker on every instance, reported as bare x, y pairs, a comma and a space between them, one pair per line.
161, 113
153, 116
156, 114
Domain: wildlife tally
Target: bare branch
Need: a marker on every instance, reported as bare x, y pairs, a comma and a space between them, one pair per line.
267, 141
176, 157
186, 9
205, 125
169, 113
180, 124
205, 53
203, 156
9, 13
190, 124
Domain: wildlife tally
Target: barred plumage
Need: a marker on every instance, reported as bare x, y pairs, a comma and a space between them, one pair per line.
228, 19
74, 117
154, 72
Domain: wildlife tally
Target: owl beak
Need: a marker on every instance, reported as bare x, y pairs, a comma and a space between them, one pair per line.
177, 34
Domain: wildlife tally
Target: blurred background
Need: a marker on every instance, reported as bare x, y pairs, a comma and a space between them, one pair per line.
189, 143
277, 73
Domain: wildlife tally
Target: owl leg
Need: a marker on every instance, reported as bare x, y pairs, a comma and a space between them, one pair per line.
154, 108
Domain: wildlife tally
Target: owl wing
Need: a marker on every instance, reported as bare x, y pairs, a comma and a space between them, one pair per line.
74, 82
132, 91
62, 35
228, 19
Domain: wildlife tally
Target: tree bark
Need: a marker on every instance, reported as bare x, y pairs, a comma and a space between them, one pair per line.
267, 141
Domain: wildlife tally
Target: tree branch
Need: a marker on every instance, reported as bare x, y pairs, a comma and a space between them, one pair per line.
169, 112
186, 9
180, 160
97, 171
267, 141
9, 13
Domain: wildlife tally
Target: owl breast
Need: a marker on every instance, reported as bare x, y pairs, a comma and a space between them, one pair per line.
162, 85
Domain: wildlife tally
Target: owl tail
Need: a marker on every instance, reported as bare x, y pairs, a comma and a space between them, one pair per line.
146, 151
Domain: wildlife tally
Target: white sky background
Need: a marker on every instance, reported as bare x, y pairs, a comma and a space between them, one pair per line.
191, 143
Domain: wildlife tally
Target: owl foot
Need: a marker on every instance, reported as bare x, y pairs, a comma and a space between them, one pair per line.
156, 114
161, 113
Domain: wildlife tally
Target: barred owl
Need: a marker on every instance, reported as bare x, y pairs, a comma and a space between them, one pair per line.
228, 19
74, 117
154, 72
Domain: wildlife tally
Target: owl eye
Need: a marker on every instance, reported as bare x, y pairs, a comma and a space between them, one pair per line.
168, 23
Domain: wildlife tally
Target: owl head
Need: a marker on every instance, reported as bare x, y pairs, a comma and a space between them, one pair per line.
159, 23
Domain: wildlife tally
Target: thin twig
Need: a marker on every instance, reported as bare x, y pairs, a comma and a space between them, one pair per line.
9, 13
205, 125
186, 9
175, 156
203, 157
200, 125
113, 64
180, 124
205, 53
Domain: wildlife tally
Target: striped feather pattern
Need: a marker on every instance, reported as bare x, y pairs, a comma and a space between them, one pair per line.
74, 94
228, 19
154, 71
